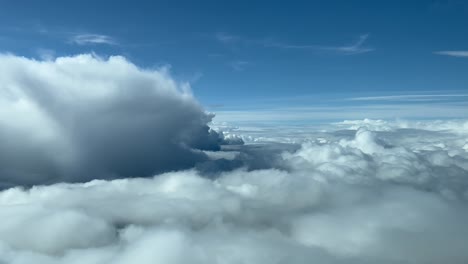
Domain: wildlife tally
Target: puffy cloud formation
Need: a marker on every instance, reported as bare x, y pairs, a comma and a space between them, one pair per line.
359, 191
346, 196
83, 117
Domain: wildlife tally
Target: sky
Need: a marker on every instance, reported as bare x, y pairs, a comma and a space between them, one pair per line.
272, 58
218, 132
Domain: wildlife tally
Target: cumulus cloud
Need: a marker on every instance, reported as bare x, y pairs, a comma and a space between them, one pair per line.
83, 117
348, 196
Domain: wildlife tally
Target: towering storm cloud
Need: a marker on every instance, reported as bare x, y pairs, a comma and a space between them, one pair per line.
83, 117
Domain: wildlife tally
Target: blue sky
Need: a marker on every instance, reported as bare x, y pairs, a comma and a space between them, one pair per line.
268, 56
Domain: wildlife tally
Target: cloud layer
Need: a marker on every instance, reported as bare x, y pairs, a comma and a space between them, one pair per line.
357, 191
67, 119
349, 196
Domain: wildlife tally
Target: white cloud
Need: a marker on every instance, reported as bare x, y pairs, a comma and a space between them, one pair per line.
356, 47
320, 132
408, 97
453, 53
63, 119
357, 191
357, 197
433, 110
46, 54
226, 38
239, 65
457, 126
92, 39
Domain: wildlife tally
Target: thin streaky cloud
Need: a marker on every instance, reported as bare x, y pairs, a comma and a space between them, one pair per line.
92, 39
355, 48
453, 53
375, 111
405, 97
46, 54
227, 38
67, 35
239, 65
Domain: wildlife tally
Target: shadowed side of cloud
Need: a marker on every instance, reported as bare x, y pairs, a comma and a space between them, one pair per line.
83, 117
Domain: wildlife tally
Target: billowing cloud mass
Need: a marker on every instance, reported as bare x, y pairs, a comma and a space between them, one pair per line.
104, 162
82, 117
364, 192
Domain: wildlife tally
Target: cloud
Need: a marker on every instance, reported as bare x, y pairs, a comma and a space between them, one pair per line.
334, 112
355, 48
454, 126
408, 97
453, 53
92, 39
353, 196
46, 54
83, 117
227, 38
152, 186
239, 65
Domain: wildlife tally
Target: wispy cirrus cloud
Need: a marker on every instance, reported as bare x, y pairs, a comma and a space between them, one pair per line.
357, 47
46, 54
227, 38
408, 97
272, 114
453, 53
239, 65
92, 39
67, 35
